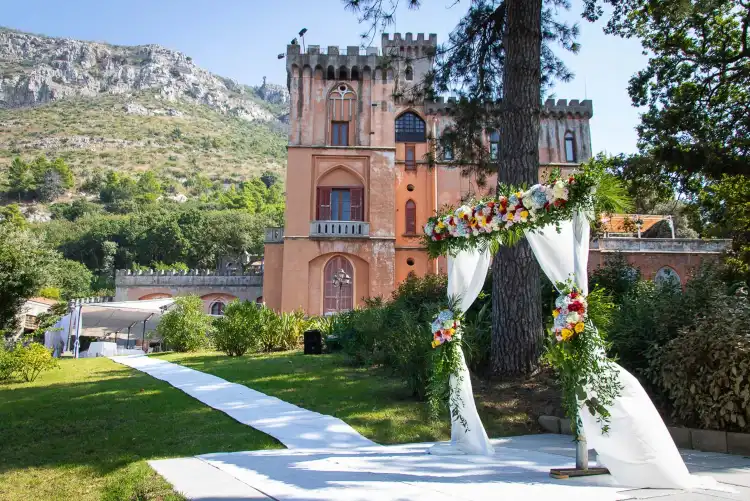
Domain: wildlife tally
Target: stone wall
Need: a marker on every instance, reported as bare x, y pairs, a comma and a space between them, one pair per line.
649, 255
207, 284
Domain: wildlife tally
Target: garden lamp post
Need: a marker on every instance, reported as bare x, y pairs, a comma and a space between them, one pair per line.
340, 279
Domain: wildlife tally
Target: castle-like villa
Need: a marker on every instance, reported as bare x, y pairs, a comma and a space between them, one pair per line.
358, 187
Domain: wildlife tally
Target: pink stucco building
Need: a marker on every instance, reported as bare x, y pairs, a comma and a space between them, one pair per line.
358, 189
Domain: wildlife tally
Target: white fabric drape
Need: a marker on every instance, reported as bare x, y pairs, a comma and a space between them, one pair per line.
638, 450
466, 275
56, 336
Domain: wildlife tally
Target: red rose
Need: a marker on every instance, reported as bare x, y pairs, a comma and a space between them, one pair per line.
576, 306
574, 294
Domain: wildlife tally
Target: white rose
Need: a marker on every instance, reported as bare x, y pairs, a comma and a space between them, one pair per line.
573, 317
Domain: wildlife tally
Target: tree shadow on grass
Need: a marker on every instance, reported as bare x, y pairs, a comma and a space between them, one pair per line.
111, 417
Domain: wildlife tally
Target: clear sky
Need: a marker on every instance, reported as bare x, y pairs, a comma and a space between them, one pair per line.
241, 39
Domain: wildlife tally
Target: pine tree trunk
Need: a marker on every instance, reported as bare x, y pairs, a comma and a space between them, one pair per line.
517, 328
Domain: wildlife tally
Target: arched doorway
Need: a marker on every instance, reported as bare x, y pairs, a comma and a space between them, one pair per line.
338, 279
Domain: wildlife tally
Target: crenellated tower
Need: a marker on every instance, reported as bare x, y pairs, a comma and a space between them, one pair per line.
359, 187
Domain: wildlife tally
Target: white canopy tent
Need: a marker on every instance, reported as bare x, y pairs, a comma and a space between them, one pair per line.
99, 319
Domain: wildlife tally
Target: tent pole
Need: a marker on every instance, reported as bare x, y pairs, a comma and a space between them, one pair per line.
143, 338
127, 344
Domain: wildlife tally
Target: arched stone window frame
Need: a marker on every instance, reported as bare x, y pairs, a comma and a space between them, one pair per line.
410, 127
570, 147
217, 307
493, 137
665, 274
410, 217
342, 115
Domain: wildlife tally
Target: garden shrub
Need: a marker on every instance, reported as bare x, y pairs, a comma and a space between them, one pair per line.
279, 331
185, 326
246, 327
395, 334
8, 363
650, 315
705, 371
32, 360
292, 326
237, 331
617, 277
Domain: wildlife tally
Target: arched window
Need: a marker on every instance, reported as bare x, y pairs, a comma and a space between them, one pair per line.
409, 73
666, 275
341, 104
338, 280
355, 73
570, 147
410, 128
217, 308
343, 73
331, 73
447, 145
494, 145
411, 217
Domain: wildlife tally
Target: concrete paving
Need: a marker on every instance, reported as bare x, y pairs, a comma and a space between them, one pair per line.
518, 471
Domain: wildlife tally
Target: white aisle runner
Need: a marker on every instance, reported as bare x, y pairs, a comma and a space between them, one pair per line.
330, 461
293, 426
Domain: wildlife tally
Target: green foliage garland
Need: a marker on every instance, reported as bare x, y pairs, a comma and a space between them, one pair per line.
587, 376
503, 220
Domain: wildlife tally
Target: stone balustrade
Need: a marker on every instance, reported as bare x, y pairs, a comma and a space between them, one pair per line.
339, 229
664, 245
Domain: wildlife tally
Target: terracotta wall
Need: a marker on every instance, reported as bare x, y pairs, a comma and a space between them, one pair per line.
650, 262
273, 265
302, 282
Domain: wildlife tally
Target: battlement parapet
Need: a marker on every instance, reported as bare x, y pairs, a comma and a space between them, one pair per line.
562, 108
205, 279
349, 57
408, 39
253, 271
553, 109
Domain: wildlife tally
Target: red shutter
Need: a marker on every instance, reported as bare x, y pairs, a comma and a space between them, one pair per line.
411, 217
358, 205
323, 212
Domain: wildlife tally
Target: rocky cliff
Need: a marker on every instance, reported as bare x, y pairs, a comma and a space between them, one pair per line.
36, 69
106, 107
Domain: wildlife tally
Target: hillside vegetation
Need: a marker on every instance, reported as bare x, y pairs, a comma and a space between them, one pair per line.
174, 138
103, 107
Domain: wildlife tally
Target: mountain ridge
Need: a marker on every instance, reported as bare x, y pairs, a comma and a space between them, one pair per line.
104, 106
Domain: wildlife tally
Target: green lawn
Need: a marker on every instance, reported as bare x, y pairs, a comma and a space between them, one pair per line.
83, 432
377, 406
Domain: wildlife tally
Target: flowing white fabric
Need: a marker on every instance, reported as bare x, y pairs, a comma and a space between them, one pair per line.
56, 336
638, 450
466, 275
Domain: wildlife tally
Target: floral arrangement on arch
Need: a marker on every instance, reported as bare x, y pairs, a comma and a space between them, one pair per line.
446, 361
445, 327
503, 219
577, 351
569, 315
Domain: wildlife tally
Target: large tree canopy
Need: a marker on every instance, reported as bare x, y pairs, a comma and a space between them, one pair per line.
696, 84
